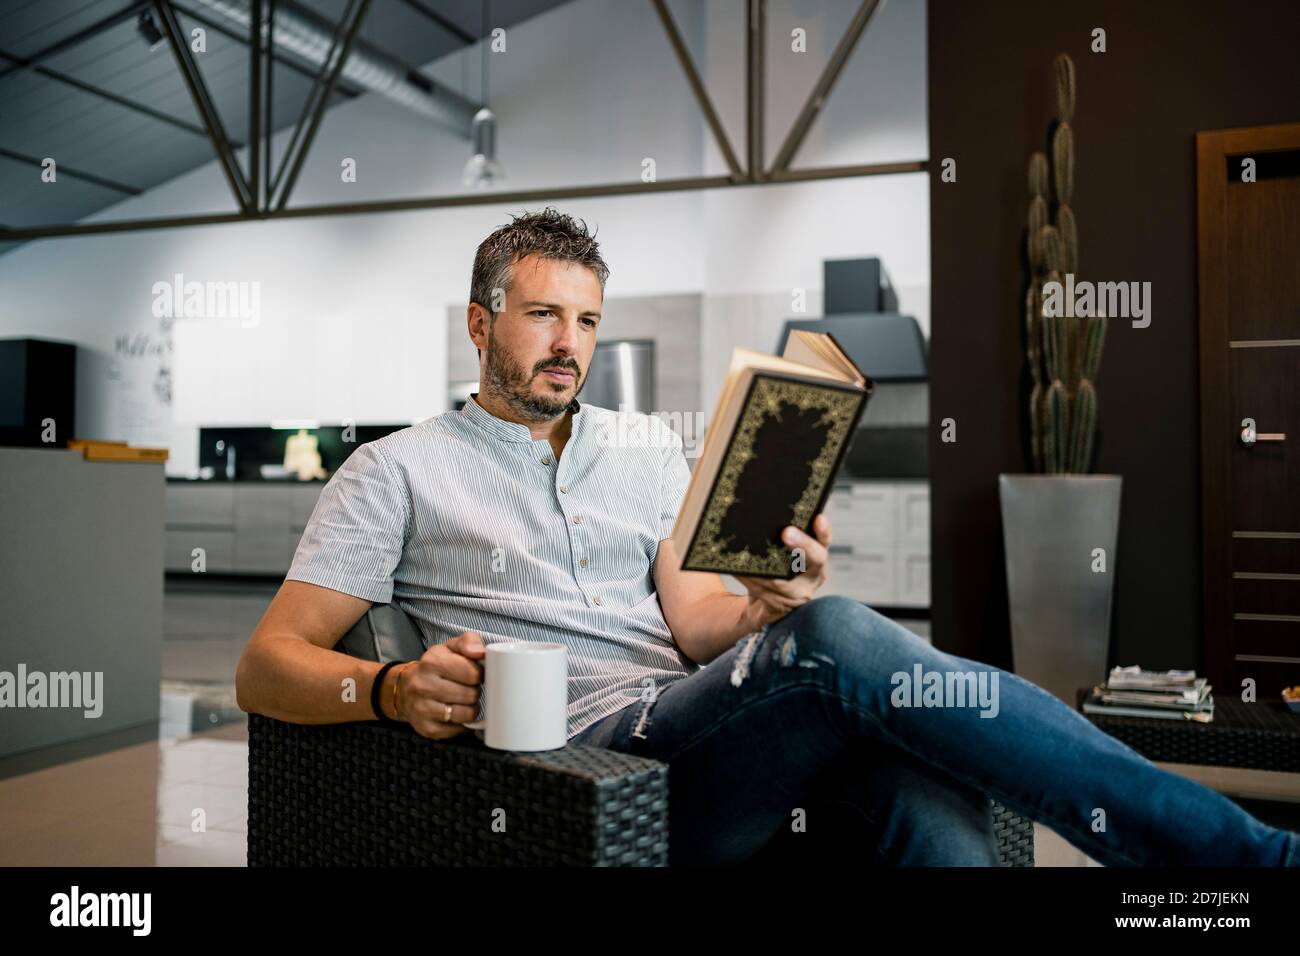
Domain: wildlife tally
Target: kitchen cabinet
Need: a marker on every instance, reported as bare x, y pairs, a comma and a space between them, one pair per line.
880, 545
243, 527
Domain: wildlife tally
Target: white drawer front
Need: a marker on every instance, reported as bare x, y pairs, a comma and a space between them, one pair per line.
864, 576
913, 578
863, 517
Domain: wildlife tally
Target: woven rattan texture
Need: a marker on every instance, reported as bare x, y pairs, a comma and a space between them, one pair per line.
1015, 837
364, 794
370, 795
1262, 735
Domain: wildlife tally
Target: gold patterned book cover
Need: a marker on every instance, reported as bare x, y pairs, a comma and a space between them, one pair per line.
773, 448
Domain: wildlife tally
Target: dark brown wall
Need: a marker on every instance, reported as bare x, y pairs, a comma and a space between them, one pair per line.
1170, 70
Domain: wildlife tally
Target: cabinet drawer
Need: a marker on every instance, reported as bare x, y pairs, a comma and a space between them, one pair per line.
863, 516
219, 548
301, 502
264, 551
260, 508
261, 529
200, 504
863, 575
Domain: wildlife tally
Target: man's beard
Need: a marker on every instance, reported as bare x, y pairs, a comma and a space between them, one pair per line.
507, 378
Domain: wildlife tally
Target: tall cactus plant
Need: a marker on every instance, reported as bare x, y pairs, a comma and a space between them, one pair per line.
1064, 353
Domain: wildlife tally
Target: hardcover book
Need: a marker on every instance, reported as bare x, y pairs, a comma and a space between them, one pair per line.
775, 443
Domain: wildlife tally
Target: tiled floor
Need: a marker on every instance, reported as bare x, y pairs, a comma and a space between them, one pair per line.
174, 802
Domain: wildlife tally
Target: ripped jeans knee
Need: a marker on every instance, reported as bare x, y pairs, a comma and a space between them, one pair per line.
642, 720
782, 645
816, 635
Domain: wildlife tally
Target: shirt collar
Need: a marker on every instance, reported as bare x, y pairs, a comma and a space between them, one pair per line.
509, 431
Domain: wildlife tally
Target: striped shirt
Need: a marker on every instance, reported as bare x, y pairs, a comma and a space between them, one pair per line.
468, 523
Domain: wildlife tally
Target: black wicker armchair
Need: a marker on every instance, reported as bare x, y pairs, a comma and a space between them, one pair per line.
369, 794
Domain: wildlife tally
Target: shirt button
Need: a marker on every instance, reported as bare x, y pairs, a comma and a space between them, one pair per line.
583, 562
546, 460
564, 489
597, 599
577, 519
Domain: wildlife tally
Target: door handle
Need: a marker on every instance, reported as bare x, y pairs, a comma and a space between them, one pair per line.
1249, 436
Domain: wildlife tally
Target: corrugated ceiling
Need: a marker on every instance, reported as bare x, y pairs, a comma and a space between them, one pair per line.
79, 83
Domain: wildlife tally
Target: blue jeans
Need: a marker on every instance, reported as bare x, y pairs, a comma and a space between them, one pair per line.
828, 726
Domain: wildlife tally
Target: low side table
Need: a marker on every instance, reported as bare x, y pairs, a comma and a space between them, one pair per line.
1263, 735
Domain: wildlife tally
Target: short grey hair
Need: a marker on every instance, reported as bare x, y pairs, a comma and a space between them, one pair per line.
548, 233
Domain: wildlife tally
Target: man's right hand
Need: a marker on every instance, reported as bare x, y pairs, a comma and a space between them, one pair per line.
448, 673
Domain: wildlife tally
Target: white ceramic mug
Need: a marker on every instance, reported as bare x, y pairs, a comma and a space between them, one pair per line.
525, 696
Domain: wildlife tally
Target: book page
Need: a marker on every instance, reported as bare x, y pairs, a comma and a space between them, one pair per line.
719, 432
819, 350
748, 358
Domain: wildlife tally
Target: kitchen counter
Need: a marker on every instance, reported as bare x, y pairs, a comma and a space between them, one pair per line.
81, 559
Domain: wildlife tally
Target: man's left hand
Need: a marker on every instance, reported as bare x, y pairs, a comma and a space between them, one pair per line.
771, 599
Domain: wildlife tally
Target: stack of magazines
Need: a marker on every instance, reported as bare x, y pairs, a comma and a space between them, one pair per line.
1133, 692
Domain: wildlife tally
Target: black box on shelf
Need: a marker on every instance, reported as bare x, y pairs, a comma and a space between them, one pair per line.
38, 389
856, 285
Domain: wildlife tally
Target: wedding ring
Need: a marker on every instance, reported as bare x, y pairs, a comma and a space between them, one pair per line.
447, 714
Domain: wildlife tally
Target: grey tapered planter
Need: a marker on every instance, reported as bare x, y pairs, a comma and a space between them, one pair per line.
1052, 528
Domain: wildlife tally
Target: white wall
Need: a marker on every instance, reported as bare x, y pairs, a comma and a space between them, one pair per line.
352, 308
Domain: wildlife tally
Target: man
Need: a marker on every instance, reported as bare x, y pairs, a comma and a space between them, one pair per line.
516, 518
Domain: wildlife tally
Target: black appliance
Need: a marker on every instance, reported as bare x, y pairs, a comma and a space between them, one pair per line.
38, 384
856, 285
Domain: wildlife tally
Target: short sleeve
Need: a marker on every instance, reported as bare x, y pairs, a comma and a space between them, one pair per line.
358, 529
674, 480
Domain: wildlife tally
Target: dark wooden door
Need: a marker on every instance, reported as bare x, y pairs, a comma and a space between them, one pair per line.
1249, 241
